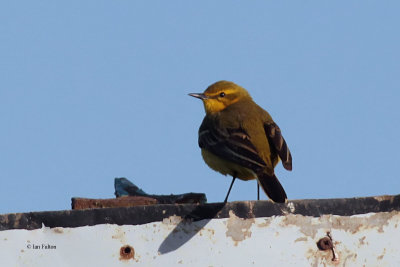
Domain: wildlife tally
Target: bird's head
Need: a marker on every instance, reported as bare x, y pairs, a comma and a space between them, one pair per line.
220, 95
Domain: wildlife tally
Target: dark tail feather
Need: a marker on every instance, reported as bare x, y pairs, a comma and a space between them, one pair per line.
272, 187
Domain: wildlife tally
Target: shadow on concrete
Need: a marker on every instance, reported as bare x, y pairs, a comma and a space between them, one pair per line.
186, 229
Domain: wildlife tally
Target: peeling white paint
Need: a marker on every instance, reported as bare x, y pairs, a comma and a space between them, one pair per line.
361, 240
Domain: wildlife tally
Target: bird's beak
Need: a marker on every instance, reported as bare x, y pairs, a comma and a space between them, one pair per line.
201, 96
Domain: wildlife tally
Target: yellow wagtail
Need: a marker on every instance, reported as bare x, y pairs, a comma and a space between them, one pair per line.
239, 138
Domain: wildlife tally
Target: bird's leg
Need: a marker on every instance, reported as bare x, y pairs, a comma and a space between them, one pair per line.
230, 187
258, 191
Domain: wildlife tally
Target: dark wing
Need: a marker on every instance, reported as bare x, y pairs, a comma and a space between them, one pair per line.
230, 144
276, 140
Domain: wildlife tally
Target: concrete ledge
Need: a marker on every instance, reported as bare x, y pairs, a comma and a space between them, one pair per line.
155, 213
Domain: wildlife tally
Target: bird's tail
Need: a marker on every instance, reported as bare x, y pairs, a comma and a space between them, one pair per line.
272, 187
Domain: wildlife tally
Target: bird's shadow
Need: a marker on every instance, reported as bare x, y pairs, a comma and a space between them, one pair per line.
186, 230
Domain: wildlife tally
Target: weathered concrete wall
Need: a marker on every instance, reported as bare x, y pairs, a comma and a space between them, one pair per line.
289, 239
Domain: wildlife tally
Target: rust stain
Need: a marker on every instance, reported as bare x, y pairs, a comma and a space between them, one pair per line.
126, 253
301, 239
238, 228
321, 258
341, 255
58, 230
309, 226
203, 231
305, 223
350, 257
266, 223
119, 234
383, 254
327, 243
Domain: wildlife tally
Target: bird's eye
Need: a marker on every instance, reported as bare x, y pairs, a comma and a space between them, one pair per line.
222, 94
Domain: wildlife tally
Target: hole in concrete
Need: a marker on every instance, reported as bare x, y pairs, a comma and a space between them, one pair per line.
325, 243
126, 252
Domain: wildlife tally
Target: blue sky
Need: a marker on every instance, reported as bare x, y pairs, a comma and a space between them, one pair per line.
92, 90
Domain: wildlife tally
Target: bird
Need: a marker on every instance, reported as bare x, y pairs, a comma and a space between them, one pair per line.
239, 138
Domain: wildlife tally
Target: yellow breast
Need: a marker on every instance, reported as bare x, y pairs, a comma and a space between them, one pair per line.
226, 167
